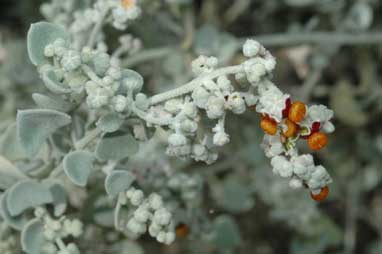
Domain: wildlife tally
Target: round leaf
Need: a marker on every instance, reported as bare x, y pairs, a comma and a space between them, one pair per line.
32, 237
116, 146
16, 222
36, 125
118, 181
53, 84
39, 36
59, 198
110, 122
78, 166
226, 234
25, 195
54, 103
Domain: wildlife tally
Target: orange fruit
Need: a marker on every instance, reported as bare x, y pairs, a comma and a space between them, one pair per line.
317, 140
322, 195
297, 112
268, 125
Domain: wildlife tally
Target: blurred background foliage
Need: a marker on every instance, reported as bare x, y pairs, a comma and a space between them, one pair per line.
328, 51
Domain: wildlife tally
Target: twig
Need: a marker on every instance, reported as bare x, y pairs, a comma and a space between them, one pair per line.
326, 38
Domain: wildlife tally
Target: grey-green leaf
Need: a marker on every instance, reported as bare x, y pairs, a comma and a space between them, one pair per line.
32, 237
110, 122
27, 194
78, 166
226, 234
39, 36
118, 181
16, 222
53, 84
54, 103
10, 146
36, 125
116, 146
131, 80
59, 198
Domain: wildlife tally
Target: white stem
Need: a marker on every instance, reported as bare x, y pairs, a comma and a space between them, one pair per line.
150, 119
190, 86
96, 29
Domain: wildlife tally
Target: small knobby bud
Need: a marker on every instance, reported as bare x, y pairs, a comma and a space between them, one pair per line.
317, 140
322, 195
297, 111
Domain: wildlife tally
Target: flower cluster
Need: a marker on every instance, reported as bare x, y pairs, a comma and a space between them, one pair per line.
87, 73
56, 230
148, 214
285, 122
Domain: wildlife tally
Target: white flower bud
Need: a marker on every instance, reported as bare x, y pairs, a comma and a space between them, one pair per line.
71, 60
155, 201
154, 229
49, 50
162, 216
215, 107
220, 138
137, 198
119, 103
200, 96
173, 106
141, 101
236, 103
282, 166
251, 48
295, 183
177, 139
136, 227
142, 215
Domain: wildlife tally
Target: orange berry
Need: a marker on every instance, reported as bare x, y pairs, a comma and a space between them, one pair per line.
297, 111
127, 4
182, 230
322, 195
317, 140
291, 129
268, 125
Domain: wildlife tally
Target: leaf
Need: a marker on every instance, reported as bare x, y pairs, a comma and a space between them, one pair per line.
110, 122
6, 167
78, 166
118, 181
234, 196
27, 194
53, 84
116, 146
226, 234
32, 237
131, 80
54, 103
34, 126
10, 146
39, 36
59, 198
16, 222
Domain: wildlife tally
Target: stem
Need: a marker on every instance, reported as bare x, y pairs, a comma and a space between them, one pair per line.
190, 86
146, 55
149, 119
117, 212
325, 38
90, 136
96, 29
91, 74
